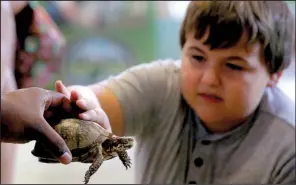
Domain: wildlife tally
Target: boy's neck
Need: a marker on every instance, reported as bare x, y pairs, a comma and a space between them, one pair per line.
224, 127
220, 128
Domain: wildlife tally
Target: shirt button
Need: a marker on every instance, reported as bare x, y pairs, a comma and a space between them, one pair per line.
191, 182
198, 162
205, 142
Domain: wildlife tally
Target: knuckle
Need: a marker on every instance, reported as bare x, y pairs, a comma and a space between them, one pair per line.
98, 111
40, 91
93, 112
34, 91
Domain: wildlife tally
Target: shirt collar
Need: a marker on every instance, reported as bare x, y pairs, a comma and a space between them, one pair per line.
203, 134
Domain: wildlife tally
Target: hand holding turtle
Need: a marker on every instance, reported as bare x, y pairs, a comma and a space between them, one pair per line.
22, 120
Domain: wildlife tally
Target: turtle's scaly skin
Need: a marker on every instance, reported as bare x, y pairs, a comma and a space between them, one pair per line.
88, 143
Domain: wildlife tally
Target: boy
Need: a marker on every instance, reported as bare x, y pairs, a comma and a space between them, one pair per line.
216, 116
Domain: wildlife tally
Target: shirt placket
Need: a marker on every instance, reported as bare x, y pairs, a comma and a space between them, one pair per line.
199, 167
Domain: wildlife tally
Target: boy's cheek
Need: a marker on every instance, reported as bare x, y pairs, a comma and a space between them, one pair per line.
189, 87
189, 79
189, 73
241, 102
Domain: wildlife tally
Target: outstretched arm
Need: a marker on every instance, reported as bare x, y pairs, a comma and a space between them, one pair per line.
129, 102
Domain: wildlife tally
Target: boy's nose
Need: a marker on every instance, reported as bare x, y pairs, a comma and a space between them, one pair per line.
210, 78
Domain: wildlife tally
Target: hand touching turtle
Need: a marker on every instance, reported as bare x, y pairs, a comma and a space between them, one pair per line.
87, 101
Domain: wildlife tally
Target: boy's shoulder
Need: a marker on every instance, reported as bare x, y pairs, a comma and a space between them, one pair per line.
277, 105
271, 138
168, 65
158, 73
275, 124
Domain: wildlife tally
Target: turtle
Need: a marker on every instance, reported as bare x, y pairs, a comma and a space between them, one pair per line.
88, 143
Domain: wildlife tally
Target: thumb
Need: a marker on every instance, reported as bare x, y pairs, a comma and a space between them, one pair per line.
46, 135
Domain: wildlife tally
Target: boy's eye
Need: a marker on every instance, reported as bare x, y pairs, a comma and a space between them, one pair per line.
234, 67
198, 58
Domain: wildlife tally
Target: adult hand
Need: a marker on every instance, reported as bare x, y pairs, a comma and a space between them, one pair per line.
85, 100
22, 120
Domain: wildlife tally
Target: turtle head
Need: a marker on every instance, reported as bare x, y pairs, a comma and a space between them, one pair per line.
124, 143
118, 144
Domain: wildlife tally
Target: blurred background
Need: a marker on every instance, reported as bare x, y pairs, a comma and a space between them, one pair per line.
104, 38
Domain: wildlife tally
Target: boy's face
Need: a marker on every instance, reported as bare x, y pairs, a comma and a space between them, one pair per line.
223, 86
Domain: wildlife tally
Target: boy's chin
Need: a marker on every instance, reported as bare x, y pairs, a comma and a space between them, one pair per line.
209, 116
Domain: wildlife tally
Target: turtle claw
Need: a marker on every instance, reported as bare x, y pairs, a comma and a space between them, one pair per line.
127, 163
125, 159
86, 180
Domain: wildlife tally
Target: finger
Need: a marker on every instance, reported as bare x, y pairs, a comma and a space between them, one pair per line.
46, 135
53, 99
75, 95
91, 115
67, 105
85, 105
61, 88
98, 116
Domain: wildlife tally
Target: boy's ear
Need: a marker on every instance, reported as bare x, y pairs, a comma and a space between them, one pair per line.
274, 79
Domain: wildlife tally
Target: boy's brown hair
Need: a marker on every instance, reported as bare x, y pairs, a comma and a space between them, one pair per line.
269, 22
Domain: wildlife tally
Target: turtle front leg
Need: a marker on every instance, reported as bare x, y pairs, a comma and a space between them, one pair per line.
125, 159
94, 166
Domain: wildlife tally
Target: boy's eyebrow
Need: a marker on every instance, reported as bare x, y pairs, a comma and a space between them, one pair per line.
197, 49
235, 57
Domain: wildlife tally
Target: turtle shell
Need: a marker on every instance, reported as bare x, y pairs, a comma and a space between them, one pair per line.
80, 136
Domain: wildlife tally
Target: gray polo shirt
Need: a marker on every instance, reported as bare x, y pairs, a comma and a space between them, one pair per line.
174, 147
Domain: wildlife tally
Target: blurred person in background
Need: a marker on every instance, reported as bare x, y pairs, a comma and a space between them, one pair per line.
215, 116
63, 12
39, 41
27, 37
81, 13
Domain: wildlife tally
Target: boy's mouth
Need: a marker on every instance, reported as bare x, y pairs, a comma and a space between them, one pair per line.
210, 97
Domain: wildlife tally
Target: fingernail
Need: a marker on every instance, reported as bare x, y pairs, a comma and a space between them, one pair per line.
66, 158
